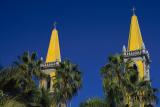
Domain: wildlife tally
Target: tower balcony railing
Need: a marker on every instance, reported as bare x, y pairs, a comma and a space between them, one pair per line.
49, 65
141, 52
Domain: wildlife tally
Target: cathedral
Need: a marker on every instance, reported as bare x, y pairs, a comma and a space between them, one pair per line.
136, 50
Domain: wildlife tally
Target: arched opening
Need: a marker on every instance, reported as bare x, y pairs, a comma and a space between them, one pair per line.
135, 67
48, 83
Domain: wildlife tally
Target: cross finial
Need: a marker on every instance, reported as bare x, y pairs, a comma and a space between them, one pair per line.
55, 23
133, 10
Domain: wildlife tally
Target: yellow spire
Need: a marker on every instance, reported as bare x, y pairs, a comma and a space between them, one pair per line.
135, 41
53, 54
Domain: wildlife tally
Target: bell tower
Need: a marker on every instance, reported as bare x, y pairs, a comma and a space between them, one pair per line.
136, 49
53, 59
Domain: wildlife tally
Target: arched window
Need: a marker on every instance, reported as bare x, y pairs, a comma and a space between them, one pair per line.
48, 83
135, 67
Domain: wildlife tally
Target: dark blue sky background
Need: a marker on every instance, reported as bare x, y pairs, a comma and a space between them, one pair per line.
89, 31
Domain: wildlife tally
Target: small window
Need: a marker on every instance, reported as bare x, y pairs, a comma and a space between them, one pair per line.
48, 83
135, 67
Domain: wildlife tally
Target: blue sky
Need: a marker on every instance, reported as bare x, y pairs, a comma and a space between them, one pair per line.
89, 31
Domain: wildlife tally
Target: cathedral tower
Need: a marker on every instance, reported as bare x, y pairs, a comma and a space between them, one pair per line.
136, 50
53, 59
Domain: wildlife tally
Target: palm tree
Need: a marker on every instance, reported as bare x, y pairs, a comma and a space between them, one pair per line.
113, 81
7, 101
19, 77
29, 68
38, 98
68, 81
94, 102
17, 80
3, 98
8, 80
122, 86
30, 65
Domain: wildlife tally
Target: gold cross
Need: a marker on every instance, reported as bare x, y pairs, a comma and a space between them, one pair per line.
133, 10
55, 23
